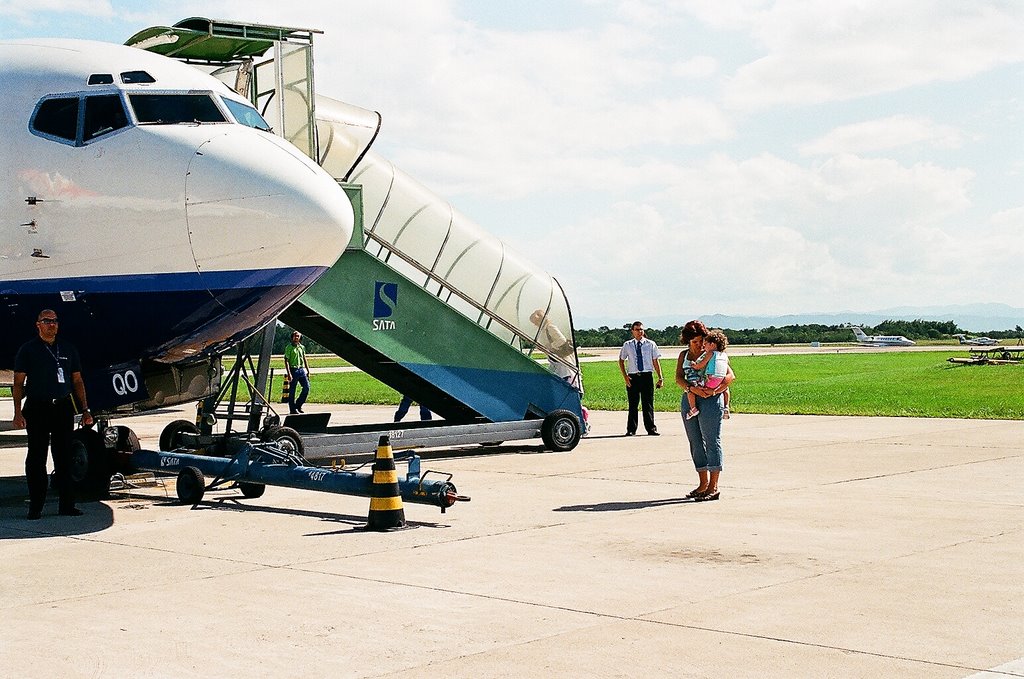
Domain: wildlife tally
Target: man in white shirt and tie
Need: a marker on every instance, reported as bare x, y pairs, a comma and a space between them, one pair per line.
637, 360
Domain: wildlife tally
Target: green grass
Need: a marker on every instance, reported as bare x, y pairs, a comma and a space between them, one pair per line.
351, 387
314, 360
898, 384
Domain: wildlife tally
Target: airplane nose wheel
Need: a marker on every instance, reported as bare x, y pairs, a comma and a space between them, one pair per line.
91, 465
286, 438
170, 437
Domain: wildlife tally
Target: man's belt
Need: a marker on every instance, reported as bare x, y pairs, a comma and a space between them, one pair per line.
49, 401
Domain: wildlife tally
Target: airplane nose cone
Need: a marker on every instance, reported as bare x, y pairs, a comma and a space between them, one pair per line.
262, 215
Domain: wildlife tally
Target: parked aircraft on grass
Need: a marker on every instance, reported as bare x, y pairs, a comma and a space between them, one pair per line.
977, 341
151, 207
881, 340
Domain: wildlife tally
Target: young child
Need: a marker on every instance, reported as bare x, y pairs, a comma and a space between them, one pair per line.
710, 368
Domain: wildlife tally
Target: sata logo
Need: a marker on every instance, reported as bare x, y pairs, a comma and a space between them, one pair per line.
385, 299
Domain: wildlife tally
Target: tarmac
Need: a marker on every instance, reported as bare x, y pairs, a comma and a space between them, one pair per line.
841, 547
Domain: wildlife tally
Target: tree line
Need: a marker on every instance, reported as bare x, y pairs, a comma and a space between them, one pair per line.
669, 336
795, 334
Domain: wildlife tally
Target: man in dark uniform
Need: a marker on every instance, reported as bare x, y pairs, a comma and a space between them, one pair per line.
52, 370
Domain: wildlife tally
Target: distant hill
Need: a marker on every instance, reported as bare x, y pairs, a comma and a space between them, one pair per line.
977, 318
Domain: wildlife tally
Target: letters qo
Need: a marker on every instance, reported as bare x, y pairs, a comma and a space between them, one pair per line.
125, 383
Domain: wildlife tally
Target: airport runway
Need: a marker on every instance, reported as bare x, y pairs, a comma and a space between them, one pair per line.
671, 352
841, 547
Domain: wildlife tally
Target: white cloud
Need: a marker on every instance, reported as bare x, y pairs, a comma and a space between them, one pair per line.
1011, 220
884, 134
833, 51
774, 236
1000, 239
726, 14
697, 67
922, 192
503, 113
29, 10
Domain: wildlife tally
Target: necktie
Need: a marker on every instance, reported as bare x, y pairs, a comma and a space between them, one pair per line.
639, 357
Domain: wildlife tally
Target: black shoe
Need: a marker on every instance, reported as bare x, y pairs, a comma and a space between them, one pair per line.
300, 410
74, 511
653, 433
34, 515
630, 433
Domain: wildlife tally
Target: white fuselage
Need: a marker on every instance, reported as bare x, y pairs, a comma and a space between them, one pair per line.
882, 340
977, 341
153, 236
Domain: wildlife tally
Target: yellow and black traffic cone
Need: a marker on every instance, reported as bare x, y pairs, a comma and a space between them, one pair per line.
386, 511
286, 388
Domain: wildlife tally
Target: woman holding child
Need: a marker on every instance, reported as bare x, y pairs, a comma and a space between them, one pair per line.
703, 427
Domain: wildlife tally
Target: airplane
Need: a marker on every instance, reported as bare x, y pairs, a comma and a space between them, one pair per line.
977, 341
881, 340
154, 210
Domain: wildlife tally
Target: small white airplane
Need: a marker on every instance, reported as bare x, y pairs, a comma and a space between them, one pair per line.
151, 207
977, 341
881, 340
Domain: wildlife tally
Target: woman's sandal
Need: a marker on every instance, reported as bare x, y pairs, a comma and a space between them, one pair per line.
696, 492
707, 497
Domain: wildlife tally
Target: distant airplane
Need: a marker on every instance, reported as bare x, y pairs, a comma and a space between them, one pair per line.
881, 340
977, 341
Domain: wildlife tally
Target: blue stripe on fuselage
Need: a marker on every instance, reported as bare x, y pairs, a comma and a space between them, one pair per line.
166, 282
168, 317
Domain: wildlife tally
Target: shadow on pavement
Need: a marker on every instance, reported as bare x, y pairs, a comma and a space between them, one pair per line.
355, 523
14, 525
624, 506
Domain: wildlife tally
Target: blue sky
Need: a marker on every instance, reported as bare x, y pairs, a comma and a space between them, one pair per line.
686, 157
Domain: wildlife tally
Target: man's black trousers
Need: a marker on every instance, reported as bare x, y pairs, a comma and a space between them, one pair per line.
641, 391
49, 425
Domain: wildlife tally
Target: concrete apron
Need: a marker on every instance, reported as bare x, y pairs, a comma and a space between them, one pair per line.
847, 547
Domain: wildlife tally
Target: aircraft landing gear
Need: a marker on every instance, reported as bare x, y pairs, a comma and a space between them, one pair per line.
90, 464
286, 438
170, 437
95, 457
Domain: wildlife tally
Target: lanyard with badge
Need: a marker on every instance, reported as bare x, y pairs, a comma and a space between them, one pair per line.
56, 357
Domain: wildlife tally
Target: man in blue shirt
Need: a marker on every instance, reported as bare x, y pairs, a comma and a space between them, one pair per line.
637, 359
46, 373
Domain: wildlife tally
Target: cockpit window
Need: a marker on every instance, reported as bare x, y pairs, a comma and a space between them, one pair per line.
58, 118
101, 79
246, 115
103, 113
170, 109
130, 77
